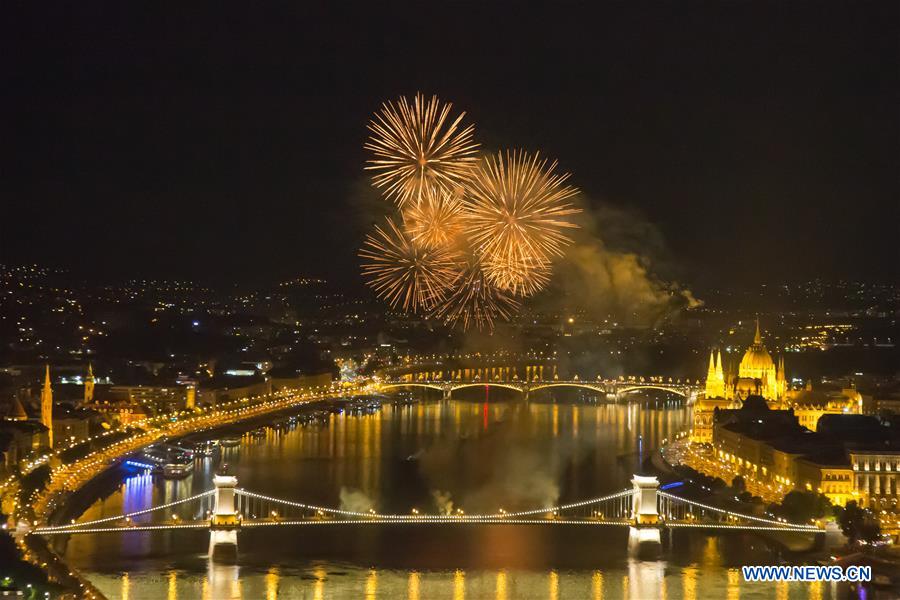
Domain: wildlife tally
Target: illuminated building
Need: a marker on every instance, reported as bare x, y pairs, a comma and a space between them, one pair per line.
89, 385
47, 407
810, 406
833, 478
715, 377
191, 397
759, 442
70, 424
758, 375
19, 440
756, 372
163, 398
713, 398
704, 411
876, 477
851, 457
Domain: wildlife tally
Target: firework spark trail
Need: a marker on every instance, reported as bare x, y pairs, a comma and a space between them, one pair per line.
435, 219
472, 300
404, 273
515, 212
416, 145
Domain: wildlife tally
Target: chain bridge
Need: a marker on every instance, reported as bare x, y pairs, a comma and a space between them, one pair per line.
226, 509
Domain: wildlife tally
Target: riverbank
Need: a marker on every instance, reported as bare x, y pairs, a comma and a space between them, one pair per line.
107, 481
885, 561
669, 461
43, 503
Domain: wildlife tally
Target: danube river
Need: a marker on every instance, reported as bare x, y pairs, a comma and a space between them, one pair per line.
469, 454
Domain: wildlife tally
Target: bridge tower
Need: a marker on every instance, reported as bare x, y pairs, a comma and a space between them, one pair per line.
644, 539
644, 501
446, 389
224, 523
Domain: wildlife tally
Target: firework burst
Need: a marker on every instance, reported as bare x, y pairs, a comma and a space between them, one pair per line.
417, 145
523, 277
434, 220
403, 273
516, 211
474, 301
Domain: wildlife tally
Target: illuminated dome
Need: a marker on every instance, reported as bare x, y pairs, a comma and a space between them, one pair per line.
757, 359
758, 364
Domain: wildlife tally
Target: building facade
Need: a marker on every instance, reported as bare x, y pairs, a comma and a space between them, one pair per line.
876, 476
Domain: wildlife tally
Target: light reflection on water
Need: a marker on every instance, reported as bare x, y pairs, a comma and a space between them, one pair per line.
482, 455
640, 581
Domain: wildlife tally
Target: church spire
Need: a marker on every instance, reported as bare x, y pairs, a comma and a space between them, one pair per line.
47, 406
757, 339
715, 381
89, 385
781, 379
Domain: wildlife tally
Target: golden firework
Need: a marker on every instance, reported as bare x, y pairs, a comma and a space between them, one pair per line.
418, 144
521, 277
435, 219
516, 211
473, 301
404, 273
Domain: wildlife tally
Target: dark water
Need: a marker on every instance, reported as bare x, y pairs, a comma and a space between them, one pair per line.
479, 456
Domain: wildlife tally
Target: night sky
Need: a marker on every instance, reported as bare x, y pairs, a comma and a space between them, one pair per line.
761, 141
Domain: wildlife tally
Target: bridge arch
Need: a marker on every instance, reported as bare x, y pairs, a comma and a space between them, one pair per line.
408, 384
500, 384
633, 388
576, 384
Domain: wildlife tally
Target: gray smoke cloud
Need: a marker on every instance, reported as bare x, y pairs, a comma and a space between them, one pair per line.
523, 478
617, 269
443, 501
505, 467
355, 500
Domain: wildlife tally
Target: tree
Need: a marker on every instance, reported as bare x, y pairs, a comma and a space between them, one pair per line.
17, 571
801, 506
739, 485
858, 524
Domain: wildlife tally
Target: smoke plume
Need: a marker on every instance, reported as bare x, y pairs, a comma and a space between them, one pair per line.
505, 467
443, 501
355, 500
616, 270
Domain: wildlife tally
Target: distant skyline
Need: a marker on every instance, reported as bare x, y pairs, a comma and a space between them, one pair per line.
746, 142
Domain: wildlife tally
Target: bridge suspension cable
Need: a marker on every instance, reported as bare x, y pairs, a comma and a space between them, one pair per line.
248, 494
137, 513
45, 531
436, 519
524, 513
618, 509
729, 513
368, 516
